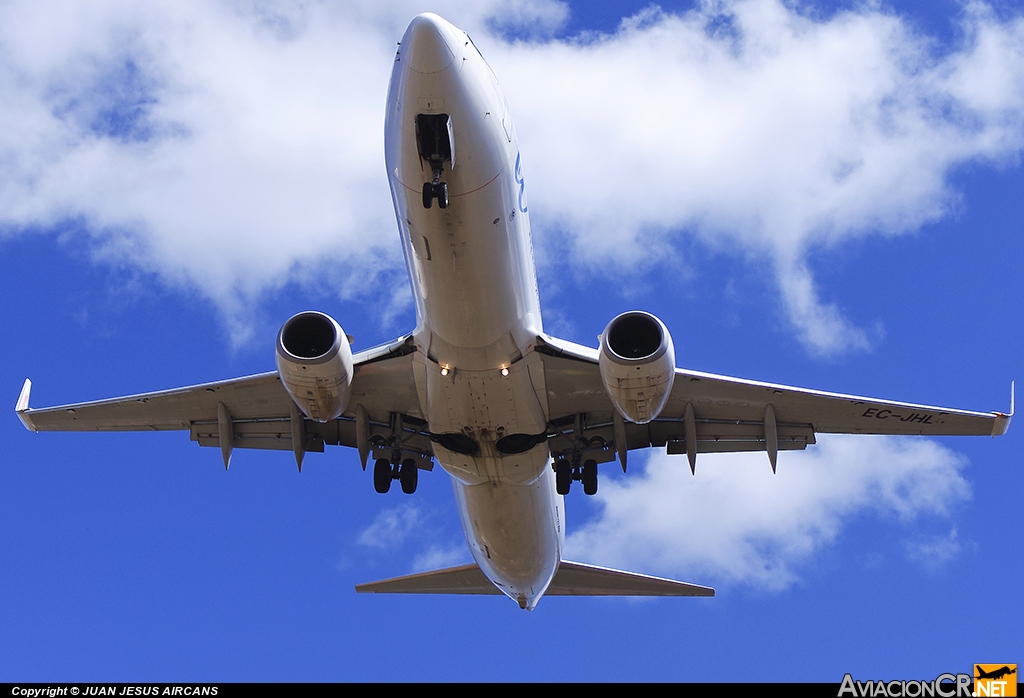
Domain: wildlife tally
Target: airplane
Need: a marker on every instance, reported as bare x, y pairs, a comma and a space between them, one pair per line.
514, 415
995, 673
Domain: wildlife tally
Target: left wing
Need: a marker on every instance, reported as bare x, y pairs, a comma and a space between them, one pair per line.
709, 413
257, 412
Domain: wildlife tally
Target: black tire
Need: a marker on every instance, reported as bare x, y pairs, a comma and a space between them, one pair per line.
428, 194
563, 476
442, 195
590, 477
409, 475
382, 475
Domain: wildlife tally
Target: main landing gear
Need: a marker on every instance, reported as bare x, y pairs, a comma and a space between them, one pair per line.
406, 473
565, 473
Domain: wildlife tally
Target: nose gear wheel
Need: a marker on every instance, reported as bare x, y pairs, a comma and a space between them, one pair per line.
439, 191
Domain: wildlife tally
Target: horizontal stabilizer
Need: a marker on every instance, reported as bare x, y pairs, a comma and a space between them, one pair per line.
572, 579
577, 579
464, 579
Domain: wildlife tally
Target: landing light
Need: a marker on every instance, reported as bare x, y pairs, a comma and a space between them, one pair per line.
444, 370
504, 371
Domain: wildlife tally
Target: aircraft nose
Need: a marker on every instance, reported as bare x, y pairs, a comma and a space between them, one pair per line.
429, 44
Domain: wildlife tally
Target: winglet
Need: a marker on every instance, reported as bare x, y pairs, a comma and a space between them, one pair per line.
21, 407
1002, 421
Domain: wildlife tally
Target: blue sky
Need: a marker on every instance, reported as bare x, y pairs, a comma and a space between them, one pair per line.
827, 196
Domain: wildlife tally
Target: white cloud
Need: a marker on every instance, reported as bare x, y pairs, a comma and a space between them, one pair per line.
408, 530
391, 527
737, 522
761, 132
229, 147
936, 550
234, 147
236, 159
436, 557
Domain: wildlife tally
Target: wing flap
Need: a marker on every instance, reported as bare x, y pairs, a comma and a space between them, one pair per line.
275, 434
717, 436
268, 434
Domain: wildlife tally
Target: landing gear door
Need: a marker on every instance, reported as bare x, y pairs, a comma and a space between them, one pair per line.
435, 139
451, 144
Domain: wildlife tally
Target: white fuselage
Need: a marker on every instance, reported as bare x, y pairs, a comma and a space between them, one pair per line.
478, 309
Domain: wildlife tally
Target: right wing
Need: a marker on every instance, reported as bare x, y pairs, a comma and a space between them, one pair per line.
259, 411
708, 413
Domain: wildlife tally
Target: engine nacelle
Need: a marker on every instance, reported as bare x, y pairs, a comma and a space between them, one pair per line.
638, 365
314, 361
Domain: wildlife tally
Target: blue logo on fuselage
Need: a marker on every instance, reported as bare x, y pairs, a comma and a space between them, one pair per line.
521, 182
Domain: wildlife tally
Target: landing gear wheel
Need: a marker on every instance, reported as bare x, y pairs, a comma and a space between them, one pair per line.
408, 475
382, 475
590, 477
428, 195
563, 476
441, 190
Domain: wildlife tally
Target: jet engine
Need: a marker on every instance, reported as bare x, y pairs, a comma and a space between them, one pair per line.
638, 365
314, 361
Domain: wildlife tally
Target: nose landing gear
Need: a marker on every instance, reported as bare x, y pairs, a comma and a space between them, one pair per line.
435, 190
436, 144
